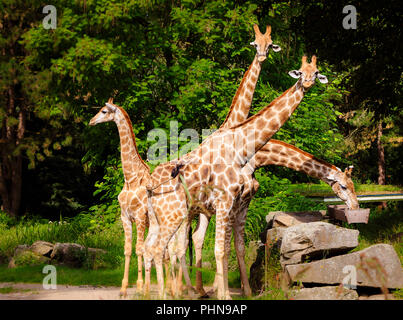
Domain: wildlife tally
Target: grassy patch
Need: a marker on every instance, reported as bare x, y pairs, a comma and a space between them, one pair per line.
6, 290
65, 275
322, 189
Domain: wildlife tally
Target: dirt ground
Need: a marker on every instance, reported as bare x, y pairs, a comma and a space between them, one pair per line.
27, 291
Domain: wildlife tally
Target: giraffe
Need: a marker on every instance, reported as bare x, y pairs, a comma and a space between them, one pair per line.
133, 197
218, 162
138, 212
277, 153
242, 100
239, 109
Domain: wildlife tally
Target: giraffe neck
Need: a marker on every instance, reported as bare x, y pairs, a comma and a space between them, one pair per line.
260, 127
133, 166
283, 154
242, 100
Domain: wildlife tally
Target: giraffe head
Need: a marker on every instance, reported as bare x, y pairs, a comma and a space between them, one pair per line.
343, 186
263, 42
308, 73
106, 114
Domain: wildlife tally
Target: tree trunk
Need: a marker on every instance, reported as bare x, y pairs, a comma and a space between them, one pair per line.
10, 164
381, 162
381, 156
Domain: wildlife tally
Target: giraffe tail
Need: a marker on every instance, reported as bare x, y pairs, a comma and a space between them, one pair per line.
190, 247
154, 228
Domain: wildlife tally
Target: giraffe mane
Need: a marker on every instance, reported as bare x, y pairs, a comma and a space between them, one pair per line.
235, 99
308, 155
251, 118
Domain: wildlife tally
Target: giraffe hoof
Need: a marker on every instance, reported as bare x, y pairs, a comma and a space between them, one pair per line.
123, 294
203, 296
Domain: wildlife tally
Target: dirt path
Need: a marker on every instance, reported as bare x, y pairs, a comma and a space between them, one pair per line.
27, 291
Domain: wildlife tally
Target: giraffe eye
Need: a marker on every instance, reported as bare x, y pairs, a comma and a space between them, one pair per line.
103, 111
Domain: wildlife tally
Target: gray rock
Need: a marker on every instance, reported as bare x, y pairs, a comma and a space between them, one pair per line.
70, 254
42, 248
324, 293
20, 248
288, 219
315, 239
75, 255
376, 266
18, 251
23, 256
274, 236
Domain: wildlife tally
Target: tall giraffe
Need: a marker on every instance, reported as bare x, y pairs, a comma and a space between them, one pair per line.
238, 112
218, 162
133, 197
277, 153
242, 100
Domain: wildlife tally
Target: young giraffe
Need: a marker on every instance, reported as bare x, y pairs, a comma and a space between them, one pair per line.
238, 112
280, 154
133, 197
218, 162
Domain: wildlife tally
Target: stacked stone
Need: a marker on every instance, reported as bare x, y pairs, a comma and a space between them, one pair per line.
314, 255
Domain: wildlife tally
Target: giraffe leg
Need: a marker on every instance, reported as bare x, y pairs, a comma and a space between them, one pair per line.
183, 241
239, 230
147, 269
222, 228
160, 274
228, 234
168, 276
170, 270
140, 228
127, 225
198, 240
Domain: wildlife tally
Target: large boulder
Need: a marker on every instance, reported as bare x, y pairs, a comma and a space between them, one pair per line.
23, 256
42, 248
376, 266
287, 219
75, 255
324, 293
315, 239
70, 254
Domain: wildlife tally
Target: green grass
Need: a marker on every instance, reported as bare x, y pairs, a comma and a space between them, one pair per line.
6, 290
384, 226
322, 189
65, 275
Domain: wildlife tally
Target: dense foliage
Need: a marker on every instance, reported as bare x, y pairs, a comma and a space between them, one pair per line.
179, 61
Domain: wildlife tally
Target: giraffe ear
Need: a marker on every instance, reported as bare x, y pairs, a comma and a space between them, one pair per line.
321, 78
331, 176
275, 47
348, 171
295, 74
